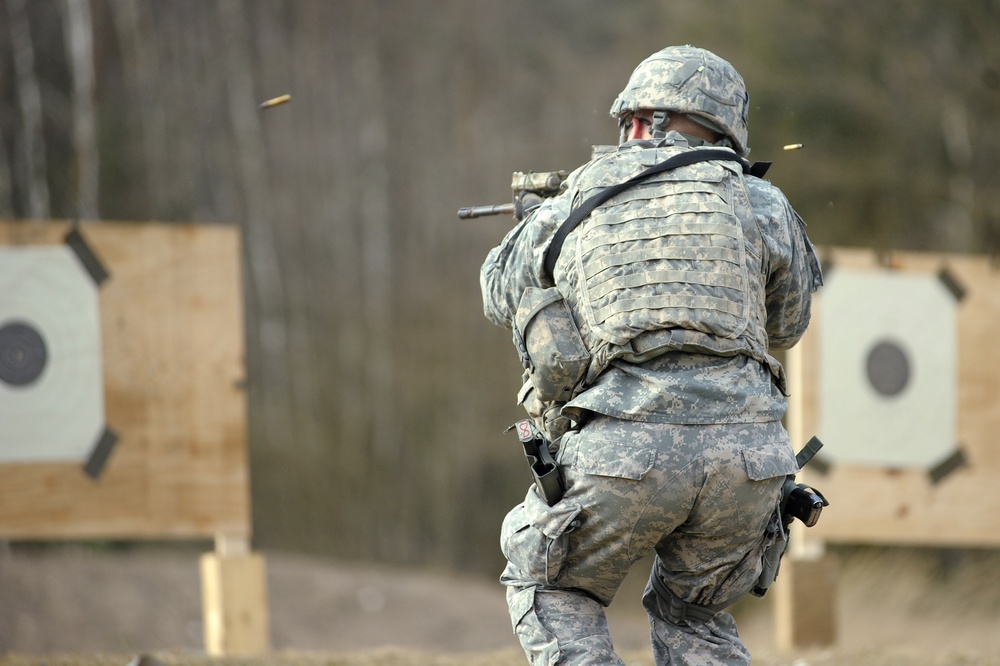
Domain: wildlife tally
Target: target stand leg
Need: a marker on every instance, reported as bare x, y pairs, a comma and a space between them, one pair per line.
234, 598
805, 613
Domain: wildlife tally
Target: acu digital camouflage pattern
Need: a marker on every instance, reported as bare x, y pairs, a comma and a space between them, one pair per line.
677, 445
549, 344
547, 415
667, 247
669, 252
689, 80
588, 540
774, 236
699, 496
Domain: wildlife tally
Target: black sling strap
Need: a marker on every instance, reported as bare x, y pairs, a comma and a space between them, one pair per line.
578, 214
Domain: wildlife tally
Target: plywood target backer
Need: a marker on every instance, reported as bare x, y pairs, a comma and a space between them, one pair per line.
51, 383
898, 377
128, 335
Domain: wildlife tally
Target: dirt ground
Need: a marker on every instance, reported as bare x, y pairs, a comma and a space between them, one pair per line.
91, 605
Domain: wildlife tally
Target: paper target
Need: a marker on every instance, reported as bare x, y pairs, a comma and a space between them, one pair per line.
51, 380
888, 359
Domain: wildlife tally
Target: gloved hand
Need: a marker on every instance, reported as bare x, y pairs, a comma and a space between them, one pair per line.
525, 202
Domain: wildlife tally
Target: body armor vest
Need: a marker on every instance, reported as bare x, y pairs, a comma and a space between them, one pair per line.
673, 263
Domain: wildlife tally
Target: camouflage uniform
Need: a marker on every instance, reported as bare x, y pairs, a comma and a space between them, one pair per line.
679, 287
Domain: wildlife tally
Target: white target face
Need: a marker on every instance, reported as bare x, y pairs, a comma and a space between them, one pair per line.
51, 382
888, 369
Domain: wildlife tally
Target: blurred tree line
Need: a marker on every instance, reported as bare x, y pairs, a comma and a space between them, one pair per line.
377, 392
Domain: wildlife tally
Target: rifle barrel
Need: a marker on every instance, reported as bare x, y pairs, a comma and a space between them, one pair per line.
470, 212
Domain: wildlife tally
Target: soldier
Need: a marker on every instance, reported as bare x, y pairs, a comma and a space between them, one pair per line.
675, 292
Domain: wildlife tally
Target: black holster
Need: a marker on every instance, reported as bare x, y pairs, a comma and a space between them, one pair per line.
544, 470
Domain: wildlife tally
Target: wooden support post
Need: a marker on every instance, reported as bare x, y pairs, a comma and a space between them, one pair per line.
805, 604
234, 599
805, 608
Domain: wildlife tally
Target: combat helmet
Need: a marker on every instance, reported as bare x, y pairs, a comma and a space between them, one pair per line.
693, 81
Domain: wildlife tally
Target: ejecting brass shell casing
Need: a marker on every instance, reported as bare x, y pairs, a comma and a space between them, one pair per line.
276, 101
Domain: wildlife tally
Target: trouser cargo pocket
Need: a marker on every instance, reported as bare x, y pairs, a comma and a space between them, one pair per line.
534, 537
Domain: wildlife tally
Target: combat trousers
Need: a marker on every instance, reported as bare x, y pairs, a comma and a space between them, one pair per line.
699, 496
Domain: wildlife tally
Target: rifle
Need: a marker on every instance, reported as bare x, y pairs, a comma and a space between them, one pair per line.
528, 189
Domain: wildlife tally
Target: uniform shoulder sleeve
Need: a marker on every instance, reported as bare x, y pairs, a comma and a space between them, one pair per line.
518, 261
793, 270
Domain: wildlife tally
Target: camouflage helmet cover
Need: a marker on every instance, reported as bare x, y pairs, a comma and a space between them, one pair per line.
693, 81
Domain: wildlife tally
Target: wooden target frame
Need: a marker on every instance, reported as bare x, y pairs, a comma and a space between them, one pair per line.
174, 462
954, 502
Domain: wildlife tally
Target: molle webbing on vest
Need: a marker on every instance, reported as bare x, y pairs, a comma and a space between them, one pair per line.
712, 259
679, 262
580, 213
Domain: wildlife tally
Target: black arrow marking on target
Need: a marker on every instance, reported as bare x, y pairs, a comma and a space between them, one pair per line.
952, 284
90, 262
953, 462
100, 453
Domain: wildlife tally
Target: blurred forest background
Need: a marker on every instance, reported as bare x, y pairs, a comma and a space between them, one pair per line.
377, 392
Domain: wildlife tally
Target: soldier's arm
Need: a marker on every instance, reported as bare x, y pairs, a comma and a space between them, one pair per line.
794, 272
517, 262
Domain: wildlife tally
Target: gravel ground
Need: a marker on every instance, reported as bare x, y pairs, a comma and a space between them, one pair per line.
87, 605
395, 657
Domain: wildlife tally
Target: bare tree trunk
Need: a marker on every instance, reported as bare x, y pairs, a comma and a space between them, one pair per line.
80, 51
31, 137
266, 280
377, 269
376, 238
138, 48
958, 231
6, 185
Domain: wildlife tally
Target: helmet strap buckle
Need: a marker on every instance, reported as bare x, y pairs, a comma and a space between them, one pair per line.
659, 126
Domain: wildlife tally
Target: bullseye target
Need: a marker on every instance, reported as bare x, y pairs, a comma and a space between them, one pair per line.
23, 353
888, 359
897, 376
51, 381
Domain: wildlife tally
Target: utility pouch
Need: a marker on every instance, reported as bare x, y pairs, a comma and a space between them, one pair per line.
547, 416
549, 344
